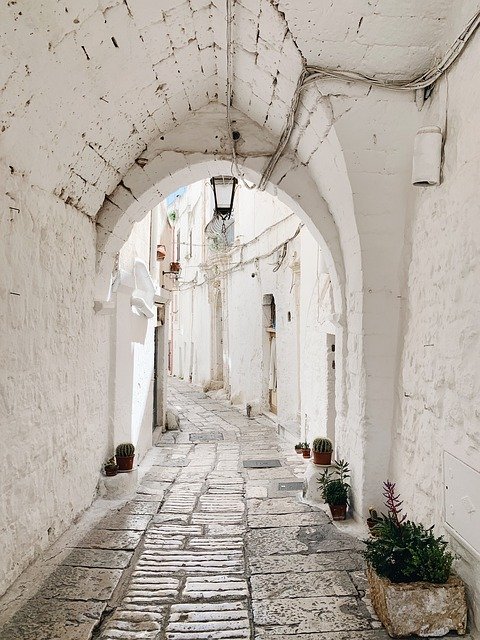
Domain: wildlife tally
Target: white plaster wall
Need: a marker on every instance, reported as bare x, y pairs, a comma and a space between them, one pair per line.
54, 360
316, 307
134, 348
262, 223
439, 387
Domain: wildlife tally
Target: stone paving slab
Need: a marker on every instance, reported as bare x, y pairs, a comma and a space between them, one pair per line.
309, 615
103, 558
265, 542
377, 634
318, 583
300, 563
42, 619
140, 507
162, 473
216, 620
209, 587
110, 539
287, 519
81, 583
269, 506
126, 522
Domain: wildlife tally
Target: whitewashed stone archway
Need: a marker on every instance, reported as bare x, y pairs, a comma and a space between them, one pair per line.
195, 151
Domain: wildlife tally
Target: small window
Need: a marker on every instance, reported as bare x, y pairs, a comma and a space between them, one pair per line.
289, 316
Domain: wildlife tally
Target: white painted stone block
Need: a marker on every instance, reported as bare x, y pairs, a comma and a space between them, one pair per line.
123, 485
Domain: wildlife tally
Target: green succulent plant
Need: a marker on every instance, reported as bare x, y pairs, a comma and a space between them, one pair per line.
125, 450
322, 445
110, 463
299, 445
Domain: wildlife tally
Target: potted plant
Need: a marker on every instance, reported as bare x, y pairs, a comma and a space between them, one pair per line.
299, 447
412, 587
306, 450
110, 467
372, 520
175, 267
124, 454
322, 451
335, 489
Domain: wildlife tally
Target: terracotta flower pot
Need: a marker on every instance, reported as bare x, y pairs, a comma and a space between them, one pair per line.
111, 471
322, 457
338, 511
125, 464
371, 526
175, 267
306, 453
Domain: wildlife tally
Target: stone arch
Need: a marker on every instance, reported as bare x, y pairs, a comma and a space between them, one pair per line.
318, 191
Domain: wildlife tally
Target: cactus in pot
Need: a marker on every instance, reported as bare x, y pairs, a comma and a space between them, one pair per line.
322, 451
306, 450
125, 453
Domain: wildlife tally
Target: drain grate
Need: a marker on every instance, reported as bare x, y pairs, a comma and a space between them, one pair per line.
290, 486
261, 464
206, 436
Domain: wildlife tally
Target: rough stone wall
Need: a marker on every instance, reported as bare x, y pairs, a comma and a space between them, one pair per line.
53, 372
439, 384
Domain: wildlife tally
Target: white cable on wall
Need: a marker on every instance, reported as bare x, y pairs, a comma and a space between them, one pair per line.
311, 73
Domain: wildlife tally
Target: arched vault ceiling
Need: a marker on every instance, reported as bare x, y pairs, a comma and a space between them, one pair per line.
85, 85
388, 38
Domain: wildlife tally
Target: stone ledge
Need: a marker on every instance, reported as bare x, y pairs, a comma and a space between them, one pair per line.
123, 485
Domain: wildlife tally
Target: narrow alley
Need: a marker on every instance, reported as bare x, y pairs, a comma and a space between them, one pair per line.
216, 543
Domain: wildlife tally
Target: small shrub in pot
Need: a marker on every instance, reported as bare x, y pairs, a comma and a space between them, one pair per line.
322, 451
306, 450
335, 489
409, 572
299, 447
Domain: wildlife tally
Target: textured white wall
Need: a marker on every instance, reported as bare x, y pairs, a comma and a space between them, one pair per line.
261, 224
53, 374
134, 351
440, 383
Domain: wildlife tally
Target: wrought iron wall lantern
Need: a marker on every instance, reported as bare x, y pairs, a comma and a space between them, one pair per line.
224, 193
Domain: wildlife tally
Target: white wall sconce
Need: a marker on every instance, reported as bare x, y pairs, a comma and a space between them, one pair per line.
427, 157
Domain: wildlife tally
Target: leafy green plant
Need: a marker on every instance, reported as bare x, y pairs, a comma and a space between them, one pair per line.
299, 445
125, 450
336, 493
404, 551
306, 445
322, 445
334, 483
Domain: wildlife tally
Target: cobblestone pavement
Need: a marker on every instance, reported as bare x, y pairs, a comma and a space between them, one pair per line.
216, 544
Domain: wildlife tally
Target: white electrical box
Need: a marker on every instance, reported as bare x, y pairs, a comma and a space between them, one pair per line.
462, 499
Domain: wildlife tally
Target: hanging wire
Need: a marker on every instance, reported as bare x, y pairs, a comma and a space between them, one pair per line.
241, 263
312, 73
